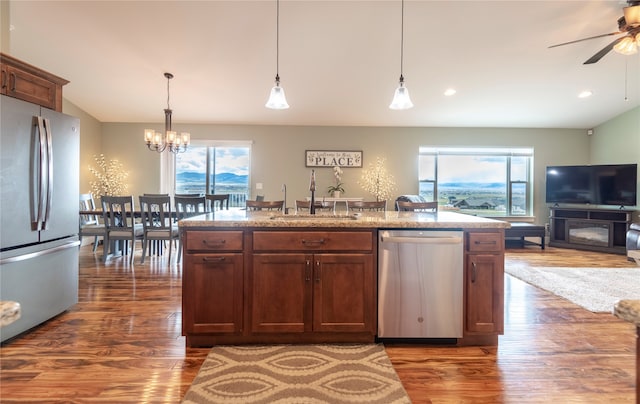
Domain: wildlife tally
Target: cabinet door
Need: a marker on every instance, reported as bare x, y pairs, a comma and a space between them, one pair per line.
484, 292
281, 293
27, 87
212, 293
343, 293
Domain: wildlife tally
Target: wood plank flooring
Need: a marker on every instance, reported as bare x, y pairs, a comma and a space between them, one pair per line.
122, 344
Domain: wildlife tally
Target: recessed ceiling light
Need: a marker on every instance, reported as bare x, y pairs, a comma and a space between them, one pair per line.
585, 94
449, 92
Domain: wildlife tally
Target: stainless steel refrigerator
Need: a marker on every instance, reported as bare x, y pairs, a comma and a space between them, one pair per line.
39, 175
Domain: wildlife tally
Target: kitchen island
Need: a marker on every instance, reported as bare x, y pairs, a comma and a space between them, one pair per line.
265, 277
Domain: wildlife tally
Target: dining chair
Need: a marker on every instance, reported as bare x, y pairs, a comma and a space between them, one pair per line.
217, 202
368, 205
302, 205
118, 215
157, 223
265, 205
187, 206
407, 206
192, 194
90, 225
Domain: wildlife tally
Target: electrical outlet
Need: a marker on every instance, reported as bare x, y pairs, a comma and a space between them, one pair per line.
258, 185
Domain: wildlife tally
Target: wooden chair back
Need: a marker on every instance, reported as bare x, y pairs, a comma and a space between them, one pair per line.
265, 205
187, 206
90, 225
217, 202
304, 205
157, 223
118, 215
407, 206
366, 205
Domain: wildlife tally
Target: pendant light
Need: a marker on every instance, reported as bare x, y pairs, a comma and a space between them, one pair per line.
170, 141
401, 99
277, 100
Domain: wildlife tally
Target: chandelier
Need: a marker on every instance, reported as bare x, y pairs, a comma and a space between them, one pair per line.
170, 140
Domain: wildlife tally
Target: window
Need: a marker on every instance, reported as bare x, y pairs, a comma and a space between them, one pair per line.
482, 181
219, 168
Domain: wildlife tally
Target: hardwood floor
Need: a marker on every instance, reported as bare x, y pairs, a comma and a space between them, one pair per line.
122, 343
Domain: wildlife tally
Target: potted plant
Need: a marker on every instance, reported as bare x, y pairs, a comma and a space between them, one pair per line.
337, 188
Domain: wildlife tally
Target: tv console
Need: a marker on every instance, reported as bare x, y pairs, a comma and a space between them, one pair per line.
601, 230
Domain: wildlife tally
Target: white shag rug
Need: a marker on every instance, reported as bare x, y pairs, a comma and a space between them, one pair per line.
595, 289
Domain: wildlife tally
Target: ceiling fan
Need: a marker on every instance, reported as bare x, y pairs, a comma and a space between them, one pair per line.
628, 24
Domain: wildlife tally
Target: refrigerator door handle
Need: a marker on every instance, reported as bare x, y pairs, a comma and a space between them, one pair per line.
71, 244
49, 169
40, 170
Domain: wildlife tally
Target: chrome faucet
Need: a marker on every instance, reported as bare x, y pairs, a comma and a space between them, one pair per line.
284, 204
312, 188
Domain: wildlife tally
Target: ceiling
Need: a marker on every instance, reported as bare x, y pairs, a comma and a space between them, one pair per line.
339, 60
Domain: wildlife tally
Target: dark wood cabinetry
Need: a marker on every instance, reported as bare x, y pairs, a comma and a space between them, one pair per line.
298, 286
29, 83
313, 293
212, 298
601, 230
313, 281
484, 285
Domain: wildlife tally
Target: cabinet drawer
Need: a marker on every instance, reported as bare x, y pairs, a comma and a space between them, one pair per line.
312, 241
214, 240
485, 242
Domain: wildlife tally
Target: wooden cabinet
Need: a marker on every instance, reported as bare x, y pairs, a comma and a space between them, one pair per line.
313, 293
278, 286
484, 283
296, 289
212, 299
29, 83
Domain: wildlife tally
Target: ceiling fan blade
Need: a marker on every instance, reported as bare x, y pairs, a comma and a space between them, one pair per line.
603, 51
585, 39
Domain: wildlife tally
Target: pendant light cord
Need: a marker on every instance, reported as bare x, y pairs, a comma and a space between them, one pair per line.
277, 40
401, 39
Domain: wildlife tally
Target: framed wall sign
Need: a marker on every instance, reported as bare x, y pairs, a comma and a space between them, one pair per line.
332, 158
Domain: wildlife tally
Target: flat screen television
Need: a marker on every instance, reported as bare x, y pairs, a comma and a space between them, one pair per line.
612, 184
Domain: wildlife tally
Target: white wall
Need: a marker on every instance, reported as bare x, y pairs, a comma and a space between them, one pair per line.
618, 141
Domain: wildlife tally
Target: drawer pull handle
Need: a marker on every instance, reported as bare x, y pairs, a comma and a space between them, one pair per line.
213, 242
492, 242
308, 242
307, 272
318, 274
213, 259
473, 272
12, 82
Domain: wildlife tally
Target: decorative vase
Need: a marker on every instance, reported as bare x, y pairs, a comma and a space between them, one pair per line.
336, 194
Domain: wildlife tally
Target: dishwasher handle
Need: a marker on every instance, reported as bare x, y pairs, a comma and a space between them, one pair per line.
422, 240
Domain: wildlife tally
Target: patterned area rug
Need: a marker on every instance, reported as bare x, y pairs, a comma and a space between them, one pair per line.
595, 289
297, 374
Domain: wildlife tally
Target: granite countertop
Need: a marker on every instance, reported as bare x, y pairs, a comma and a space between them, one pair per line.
628, 310
9, 312
388, 219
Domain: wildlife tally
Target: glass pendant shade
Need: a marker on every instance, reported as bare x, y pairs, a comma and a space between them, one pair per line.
627, 46
401, 99
277, 99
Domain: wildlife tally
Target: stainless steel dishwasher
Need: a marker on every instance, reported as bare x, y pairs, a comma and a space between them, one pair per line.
420, 275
